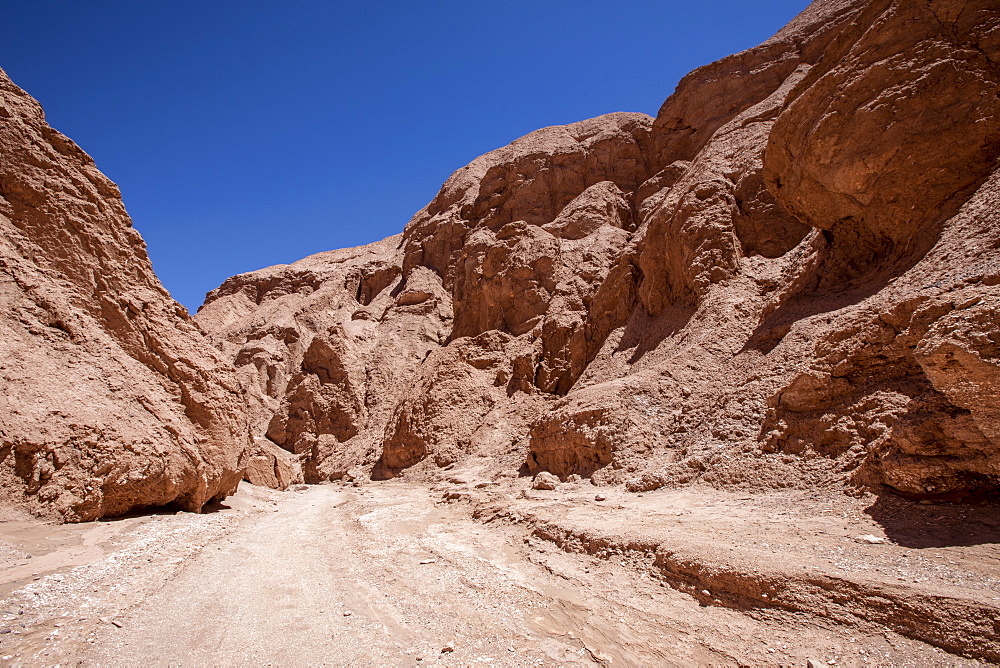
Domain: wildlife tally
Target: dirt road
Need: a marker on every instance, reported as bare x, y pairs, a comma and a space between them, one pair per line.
386, 574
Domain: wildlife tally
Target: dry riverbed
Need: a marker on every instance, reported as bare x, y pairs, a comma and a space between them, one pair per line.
463, 572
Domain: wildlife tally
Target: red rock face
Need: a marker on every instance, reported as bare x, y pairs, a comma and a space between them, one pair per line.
110, 397
327, 348
788, 278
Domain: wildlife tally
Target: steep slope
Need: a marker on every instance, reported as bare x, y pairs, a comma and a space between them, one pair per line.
788, 278
111, 397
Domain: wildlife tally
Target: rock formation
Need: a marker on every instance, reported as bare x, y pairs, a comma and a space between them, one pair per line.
787, 278
111, 397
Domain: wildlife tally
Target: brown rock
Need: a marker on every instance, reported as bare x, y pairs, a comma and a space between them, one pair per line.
895, 125
110, 397
465, 399
270, 466
531, 180
327, 347
788, 278
545, 480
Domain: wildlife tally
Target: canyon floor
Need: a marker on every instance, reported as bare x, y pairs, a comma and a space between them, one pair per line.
468, 570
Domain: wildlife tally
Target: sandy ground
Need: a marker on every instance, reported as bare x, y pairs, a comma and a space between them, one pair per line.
458, 573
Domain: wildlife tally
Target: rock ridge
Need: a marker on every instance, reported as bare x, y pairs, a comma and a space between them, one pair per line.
111, 397
788, 278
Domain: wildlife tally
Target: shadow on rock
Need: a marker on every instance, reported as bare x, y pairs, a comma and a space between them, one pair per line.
644, 333
915, 525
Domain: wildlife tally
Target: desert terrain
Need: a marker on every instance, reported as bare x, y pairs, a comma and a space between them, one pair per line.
719, 386
469, 571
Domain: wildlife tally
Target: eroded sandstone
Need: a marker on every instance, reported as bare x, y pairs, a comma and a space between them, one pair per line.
110, 397
788, 278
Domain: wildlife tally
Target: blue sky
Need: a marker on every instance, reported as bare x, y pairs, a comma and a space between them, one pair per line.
249, 133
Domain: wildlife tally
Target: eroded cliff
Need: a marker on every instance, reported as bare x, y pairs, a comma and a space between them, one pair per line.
787, 278
110, 397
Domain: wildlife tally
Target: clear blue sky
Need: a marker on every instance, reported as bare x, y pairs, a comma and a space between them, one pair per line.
246, 133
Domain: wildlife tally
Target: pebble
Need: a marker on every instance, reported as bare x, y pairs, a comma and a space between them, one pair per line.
870, 539
427, 561
600, 497
347, 613
450, 647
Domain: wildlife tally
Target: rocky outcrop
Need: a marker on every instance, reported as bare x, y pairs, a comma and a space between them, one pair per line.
110, 397
358, 375
787, 278
327, 348
890, 146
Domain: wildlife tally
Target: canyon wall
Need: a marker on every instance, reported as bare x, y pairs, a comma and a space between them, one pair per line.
789, 277
111, 399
